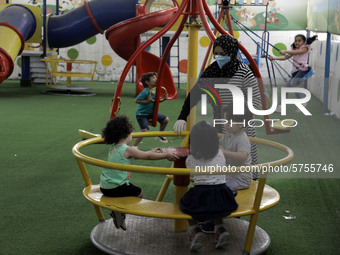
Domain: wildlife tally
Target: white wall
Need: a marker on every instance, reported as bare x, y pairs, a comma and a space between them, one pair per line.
317, 82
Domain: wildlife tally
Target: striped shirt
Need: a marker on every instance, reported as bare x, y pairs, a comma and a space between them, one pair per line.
243, 79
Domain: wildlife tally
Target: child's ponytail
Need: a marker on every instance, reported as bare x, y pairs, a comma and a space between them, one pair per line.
310, 40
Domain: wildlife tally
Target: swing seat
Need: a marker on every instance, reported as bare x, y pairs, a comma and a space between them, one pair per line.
310, 72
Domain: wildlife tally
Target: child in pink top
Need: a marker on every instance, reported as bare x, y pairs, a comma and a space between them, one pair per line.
299, 52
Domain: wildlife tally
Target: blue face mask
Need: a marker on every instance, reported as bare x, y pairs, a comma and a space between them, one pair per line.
222, 60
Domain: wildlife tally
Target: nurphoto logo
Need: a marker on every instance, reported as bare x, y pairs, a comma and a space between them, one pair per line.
239, 101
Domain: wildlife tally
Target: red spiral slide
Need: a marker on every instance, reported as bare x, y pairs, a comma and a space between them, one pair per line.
124, 39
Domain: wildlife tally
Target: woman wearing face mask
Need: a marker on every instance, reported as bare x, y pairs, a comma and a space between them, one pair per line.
227, 69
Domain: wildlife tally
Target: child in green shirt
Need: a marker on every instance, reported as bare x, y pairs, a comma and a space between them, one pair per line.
145, 107
115, 183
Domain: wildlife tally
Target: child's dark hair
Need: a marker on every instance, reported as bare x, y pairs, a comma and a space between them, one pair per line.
204, 142
146, 77
308, 40
228, 113
116, 129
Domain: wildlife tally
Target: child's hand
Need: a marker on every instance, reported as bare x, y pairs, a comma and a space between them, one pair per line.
157, 150
225, 152
270, 57
282, 52
171, 156
149, 99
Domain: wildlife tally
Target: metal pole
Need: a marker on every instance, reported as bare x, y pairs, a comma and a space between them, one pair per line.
44, 32
327, 71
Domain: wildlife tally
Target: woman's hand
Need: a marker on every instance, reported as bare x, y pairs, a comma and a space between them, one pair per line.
179, 126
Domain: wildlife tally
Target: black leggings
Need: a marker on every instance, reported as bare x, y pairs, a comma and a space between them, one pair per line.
122, 191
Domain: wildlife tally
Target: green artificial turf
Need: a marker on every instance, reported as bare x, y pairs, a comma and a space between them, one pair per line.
42, 207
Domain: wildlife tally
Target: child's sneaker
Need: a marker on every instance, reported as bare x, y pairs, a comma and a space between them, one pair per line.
162, 139
208, 227
118, 219
196, 239
222, 237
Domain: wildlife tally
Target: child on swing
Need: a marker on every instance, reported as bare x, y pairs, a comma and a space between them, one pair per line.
299, 52
145, 108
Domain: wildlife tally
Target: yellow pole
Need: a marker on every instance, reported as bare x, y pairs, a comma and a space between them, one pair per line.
180, 225
88, 182
193, 29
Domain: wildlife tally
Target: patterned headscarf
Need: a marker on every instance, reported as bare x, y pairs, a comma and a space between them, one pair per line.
228, 44
230, 47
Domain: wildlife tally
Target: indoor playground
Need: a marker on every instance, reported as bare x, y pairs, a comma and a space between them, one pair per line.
68, 67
